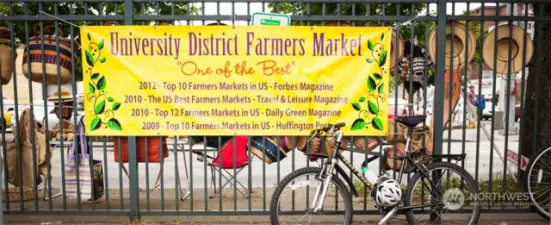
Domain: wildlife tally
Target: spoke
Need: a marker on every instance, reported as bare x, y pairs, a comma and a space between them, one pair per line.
548, 188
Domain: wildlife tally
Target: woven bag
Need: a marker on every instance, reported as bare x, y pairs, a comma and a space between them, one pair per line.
417, 142
52, 53
359, 143
6, 58
329, 145
390, 162
401, 132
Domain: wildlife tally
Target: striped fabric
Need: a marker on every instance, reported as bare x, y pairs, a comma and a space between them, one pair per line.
90, 178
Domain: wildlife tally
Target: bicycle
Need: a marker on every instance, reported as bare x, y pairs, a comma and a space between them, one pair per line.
538, 178
331, 172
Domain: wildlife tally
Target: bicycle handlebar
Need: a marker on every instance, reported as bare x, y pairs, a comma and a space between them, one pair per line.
328, 127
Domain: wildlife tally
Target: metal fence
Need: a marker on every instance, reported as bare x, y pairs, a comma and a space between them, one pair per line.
186, 179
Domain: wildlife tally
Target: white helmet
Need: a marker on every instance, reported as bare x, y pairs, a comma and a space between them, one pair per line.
388, 193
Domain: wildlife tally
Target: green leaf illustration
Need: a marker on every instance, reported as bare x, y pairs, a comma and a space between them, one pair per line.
377, 76
382, 36
100, 45
358, 124
369, 60
100, 107
371, 84
95, 76
102, 59
95, 124
114, 124
116, 106
356, 106
370, 45
362, 99
382, 58
373, 107
102, 83
110, 99
89, 38
381, 88
377, 123
91, 87
89, 58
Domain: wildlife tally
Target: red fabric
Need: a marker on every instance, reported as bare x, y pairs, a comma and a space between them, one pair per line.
225, 158
154, 147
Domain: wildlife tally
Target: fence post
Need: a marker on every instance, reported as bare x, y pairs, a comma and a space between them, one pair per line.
132, 158
438, 106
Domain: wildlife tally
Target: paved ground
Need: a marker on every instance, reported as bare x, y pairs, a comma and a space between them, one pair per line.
486, 219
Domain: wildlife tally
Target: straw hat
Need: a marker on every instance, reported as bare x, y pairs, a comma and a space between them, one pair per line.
502, 52
65, 95
460, 44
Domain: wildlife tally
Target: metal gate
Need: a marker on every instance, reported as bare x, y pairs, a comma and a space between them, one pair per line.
187, 180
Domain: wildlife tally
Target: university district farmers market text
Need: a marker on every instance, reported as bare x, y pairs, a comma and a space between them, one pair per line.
227, 45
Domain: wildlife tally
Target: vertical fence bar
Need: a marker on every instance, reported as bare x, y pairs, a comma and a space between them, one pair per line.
219, 159
176, 172
507, 102
249, 165
132, 156
106, 172
466, 78
148, 197
522, 87
479, 125
490, 179
205, 175
35, 175
161, 170
451, 80
17, 136
105, 167
439, 79
121, 193
190, 178
4, 149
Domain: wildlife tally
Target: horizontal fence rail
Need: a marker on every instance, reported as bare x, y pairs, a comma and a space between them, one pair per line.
178, 175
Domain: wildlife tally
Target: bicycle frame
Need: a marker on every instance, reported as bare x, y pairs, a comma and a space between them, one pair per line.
330, 165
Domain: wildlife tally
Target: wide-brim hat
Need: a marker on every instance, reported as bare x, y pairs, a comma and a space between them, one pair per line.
65, 95
463, 41
500, 57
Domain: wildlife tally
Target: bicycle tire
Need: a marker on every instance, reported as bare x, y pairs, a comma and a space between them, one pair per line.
347, 198
466, 175
543, 213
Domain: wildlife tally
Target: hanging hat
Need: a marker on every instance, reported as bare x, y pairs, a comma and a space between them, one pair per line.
65, 95
393, 51
460, 45
502, 53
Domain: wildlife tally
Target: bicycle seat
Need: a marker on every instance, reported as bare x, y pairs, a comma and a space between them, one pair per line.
411, 121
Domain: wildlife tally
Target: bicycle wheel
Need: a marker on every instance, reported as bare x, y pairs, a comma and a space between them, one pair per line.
463, 197
538, 182
296, 191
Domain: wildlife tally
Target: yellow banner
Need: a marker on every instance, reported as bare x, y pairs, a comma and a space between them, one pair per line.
243, 80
